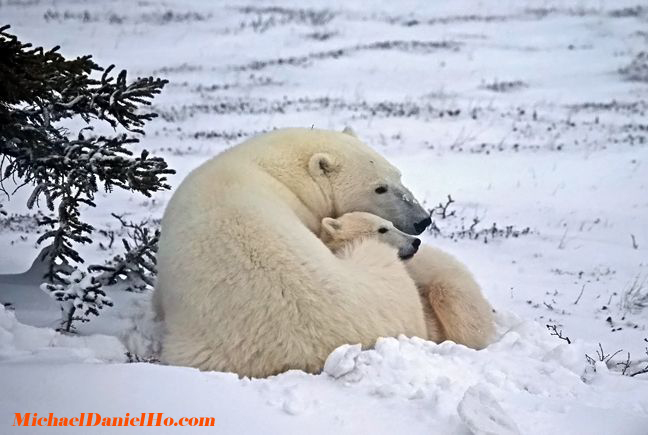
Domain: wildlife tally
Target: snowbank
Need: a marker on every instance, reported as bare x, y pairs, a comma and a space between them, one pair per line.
527, 383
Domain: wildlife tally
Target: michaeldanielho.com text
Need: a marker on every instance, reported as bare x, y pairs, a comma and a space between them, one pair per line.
95, 419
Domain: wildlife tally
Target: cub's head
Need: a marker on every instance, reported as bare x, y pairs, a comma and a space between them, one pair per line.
337, 233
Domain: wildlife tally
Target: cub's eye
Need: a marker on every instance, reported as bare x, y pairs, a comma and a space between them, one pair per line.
381, 189
382, 230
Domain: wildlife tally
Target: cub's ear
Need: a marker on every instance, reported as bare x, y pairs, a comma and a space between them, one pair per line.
322, 164
348, 130
330, 225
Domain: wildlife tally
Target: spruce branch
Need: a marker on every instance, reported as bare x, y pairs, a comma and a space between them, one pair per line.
38, 90
136, 268
80, 295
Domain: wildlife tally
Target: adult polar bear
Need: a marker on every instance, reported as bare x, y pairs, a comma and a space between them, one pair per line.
246, 286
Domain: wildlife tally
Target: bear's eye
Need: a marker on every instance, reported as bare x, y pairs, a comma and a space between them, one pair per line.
381, 189
382, 230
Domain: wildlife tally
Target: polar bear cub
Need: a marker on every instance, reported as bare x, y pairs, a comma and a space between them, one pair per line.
453, 304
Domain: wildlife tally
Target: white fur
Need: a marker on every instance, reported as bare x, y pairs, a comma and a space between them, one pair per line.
246, 286
454, 306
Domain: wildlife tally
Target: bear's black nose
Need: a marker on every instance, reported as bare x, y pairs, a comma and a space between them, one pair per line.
420, 226
416, 243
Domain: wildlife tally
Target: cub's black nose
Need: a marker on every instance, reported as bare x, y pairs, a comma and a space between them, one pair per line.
420, 226
416, 243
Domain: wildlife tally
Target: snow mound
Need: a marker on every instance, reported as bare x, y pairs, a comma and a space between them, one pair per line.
483, 415
142, 332
527, 382
25, 343
342, 360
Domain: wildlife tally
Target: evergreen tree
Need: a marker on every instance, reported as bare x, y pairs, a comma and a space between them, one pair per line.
80, 295
137, 267
39, 91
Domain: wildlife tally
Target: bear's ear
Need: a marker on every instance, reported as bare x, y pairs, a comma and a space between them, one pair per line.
348, 130
321, 164
330, 225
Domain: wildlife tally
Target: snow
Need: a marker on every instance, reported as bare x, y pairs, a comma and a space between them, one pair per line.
22, 343
527, 382
483, 415
530, 114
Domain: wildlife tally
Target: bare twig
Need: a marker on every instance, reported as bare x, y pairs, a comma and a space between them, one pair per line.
602, 356
580, 294
553, 330
625, 365
442, 209
645, 369
561, 245
640, 372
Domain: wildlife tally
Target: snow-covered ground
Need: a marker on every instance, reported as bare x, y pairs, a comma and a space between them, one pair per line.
529, 114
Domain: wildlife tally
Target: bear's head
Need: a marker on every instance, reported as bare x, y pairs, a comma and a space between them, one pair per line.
360, 180
338, 233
